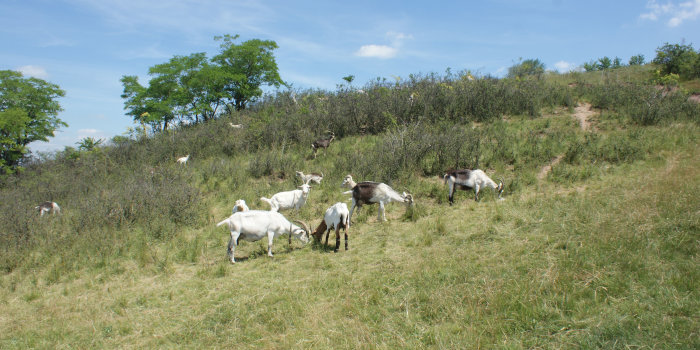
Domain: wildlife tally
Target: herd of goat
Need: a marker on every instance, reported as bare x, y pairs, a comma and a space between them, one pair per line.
254, 225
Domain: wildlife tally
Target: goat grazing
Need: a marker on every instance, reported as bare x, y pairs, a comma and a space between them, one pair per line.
368, 192
254, 225
239, 205
336, 217
48, 207
306, 178
322, 143
183, 160
288, 199
467, 179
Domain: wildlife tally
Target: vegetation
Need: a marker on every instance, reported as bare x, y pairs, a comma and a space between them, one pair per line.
193, 89
529, 67
594, 246
678, 59
28, 112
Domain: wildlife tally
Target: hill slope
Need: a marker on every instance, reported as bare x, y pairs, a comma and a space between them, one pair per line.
600, 251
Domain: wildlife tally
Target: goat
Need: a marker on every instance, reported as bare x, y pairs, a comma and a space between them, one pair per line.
48, 207
468, 179
238, 206
183, 160
306, 178
288, 199
336, 217
368, 192
322, 143
254, 225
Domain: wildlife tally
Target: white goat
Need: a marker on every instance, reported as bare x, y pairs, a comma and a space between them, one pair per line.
48, 207
183, 160
368, 192
336, 217
306, 178
468, 179
288, 199
254, 225
239, 205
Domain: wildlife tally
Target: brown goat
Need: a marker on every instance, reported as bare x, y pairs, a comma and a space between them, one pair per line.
322, 143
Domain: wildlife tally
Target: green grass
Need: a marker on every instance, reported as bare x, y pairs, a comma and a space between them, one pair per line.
601, 252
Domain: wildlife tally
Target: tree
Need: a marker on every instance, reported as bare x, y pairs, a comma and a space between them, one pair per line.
28, 113
246, 67
636, 60
88, 144
617, 63
591, 66
679, 59
528, 67
148, 106
604, 63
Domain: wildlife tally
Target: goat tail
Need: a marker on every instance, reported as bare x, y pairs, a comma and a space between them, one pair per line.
223, 222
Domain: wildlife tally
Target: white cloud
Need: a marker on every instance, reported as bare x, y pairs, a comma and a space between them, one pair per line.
676, 13
384, 51
398, 38
564, 67
33, 71
377, 51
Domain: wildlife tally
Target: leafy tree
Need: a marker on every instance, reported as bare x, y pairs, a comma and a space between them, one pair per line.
28, 113
636, 60
148, 106
192, 87
591, 66
528, 67
246, 67
88, 144
604, 63
617, 63
679, 59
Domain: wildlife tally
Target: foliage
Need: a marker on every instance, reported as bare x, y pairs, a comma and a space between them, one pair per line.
28, 113
679, 59
193, 89
89, 144
636, 60
246, 67
529, 67
604, 63
580, 257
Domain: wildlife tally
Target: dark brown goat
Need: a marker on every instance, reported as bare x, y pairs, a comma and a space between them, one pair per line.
322, 143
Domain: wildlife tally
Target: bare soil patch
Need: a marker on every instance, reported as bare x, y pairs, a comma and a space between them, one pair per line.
547, 168
694, 98
583, 114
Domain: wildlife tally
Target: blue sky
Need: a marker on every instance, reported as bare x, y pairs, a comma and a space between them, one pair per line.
86, 46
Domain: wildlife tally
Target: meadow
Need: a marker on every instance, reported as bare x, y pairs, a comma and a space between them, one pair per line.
595, 244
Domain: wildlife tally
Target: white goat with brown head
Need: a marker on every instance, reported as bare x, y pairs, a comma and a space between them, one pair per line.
336, 217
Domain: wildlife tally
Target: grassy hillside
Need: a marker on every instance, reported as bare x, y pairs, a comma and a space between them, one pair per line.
594, 246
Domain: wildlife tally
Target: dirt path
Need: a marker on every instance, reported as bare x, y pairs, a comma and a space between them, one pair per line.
547, 168
583, 114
